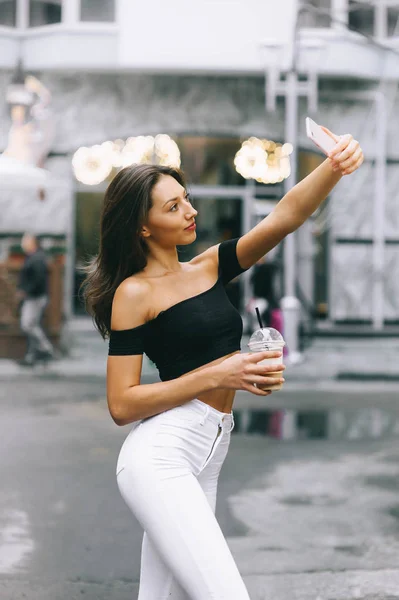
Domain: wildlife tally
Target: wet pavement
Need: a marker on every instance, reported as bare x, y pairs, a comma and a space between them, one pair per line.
308, 496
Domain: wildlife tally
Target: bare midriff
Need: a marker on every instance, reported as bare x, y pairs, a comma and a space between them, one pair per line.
222, 398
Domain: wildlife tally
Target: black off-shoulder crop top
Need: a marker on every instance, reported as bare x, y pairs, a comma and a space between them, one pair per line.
192, 332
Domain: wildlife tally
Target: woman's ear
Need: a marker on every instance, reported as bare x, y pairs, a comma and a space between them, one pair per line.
144, 232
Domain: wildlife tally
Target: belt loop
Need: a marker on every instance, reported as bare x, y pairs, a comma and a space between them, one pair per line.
205, 416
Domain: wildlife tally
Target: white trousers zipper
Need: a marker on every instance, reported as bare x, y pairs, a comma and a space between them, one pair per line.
213, 445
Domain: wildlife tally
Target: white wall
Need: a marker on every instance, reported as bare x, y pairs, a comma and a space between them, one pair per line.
8, 48
194, 36
75, 48
200, 35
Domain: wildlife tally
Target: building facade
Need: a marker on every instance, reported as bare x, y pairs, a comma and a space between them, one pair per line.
204, 73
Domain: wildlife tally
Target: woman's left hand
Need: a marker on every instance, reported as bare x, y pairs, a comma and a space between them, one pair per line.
347, 155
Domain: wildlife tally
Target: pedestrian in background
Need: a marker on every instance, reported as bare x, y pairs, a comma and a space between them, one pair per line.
33, 291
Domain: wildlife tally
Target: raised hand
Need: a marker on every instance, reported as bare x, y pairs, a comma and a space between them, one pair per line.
347, 155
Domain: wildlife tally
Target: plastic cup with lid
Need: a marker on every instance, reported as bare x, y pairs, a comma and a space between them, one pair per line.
268, 338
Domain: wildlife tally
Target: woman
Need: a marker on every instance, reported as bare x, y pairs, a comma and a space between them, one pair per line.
178, 313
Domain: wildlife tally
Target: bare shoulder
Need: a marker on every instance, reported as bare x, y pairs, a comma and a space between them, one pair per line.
130, 303
208, 256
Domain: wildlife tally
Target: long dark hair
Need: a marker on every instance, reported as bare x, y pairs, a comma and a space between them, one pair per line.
122, 250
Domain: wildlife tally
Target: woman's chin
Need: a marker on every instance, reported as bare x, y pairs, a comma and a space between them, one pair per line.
188, 238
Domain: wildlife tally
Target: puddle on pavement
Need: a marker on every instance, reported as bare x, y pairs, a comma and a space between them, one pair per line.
333, 424
351, 550
394, 512
16, 541
384, 482
313, 500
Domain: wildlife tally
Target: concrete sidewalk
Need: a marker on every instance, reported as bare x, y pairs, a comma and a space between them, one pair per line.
306, 519
348, 359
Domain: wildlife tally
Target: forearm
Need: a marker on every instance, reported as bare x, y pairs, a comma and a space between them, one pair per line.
307, 195
141, 401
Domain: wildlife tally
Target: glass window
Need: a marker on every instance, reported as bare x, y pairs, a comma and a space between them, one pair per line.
8, 11
44, 12
361, 18
97, 10
393, 22
209, 161
316, 14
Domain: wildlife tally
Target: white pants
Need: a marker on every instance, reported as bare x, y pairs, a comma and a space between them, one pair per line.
167, 473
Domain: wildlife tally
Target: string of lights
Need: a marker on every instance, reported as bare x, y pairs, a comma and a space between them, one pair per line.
93, 165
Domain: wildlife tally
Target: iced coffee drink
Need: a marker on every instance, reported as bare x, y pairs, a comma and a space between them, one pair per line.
268, 338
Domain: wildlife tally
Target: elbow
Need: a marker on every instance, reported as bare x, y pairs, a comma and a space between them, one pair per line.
296, 221
288, 222
118, 421
115, 409
117, 406
293, 224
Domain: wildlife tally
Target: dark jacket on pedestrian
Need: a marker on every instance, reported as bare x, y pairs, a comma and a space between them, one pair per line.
33, 279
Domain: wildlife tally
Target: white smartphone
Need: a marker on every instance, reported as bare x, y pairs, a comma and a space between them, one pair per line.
318, 136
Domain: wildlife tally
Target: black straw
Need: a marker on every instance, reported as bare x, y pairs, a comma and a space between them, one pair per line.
259, 319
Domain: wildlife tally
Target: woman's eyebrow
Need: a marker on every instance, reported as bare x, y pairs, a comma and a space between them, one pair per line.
171, 200
174, 199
